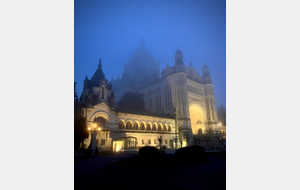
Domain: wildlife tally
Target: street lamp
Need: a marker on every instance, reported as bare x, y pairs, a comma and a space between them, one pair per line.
94, 132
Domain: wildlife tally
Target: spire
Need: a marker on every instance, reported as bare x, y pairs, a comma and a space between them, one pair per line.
178, 57
205, 71
98, 75
99, 65
178, 52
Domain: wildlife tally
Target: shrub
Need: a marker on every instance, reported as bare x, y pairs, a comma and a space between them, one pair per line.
191, 155
149, 154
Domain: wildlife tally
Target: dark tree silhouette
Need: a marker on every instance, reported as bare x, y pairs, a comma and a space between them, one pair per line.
175, 139
220, 139
80, 126
132, 101
80, 131
197, 139
75, 93
159, 139
207, 137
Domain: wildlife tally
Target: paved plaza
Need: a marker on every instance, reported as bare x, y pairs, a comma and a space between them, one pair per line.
98, 173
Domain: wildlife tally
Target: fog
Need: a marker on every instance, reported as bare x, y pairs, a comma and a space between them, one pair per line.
112, 30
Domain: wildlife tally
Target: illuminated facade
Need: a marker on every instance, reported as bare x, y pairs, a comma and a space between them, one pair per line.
181, 100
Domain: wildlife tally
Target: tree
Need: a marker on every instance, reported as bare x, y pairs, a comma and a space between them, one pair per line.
159, 139
75, 93
207, 137
197, 139
80, 131
175, 139
132, 101
80, 126
220, 139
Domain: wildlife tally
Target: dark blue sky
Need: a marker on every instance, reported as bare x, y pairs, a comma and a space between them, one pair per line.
111, 30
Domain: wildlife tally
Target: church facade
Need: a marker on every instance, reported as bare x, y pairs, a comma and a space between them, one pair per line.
179, 101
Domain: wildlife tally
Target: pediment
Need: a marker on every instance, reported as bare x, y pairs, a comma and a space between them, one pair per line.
100, 105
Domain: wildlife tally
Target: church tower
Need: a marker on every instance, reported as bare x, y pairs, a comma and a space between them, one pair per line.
206, 75
181, 97
211, 111
97, 90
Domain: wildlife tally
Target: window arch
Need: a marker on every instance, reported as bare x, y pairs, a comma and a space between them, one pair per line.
169, 128
100, 122
153, 127
142, 126
121, 124
165, 128
159, 127
135, 126
148, 126
128, 125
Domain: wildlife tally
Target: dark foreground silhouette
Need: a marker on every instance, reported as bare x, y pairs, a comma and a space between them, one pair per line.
126, 170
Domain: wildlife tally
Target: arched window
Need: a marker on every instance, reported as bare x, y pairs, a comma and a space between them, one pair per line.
128, 125
153, 127
169, 128
199, 132
121, 125
148, 127
135, 126
100, 122
165, 128
142, 126
159, 127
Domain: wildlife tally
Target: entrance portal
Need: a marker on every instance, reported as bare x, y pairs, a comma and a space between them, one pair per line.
197, 119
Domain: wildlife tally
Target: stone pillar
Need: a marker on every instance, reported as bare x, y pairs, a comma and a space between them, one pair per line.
100, 96
105, 94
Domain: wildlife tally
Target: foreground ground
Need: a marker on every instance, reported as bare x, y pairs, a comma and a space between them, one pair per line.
99, 172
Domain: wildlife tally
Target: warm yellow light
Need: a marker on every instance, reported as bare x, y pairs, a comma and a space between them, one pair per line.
184, 144
99, 129
89, 129
95, 125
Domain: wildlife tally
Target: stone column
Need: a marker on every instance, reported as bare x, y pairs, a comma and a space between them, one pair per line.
105, 94
100, 97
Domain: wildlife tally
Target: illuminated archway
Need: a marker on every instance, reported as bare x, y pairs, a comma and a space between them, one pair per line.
121, 124
135, 125
198, 119
128, 125
170, 128
154, 127
101, 122
159, 127
142, 126
165, 128
148, 127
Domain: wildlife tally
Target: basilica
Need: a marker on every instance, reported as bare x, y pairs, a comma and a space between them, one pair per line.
179, 103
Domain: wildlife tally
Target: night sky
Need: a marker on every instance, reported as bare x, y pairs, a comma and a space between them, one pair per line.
112, 30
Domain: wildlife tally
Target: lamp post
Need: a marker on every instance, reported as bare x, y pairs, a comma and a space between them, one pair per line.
94, 132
